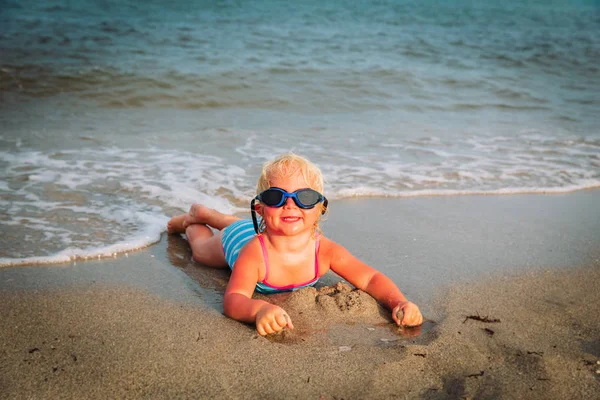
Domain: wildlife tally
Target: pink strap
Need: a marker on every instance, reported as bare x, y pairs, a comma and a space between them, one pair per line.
264, 251
317, 258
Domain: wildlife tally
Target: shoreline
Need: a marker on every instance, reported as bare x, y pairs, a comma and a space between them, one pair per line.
348, 205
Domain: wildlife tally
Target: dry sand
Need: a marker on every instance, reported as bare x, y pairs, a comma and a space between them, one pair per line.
150, 325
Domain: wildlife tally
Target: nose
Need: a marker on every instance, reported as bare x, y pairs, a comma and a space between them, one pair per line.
289, 202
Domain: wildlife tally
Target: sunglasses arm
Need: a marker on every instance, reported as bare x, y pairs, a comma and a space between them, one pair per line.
253, 212
325, 203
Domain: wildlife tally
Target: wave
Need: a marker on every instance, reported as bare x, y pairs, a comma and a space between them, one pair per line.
74, 254
373, 192
294, 88
264, 88
498, 106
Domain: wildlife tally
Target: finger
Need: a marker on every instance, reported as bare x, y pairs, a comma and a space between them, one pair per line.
413, 320
395, 314
409, 319
418, 316
268, 329
281, 319
289, 322
261, 330
275, 326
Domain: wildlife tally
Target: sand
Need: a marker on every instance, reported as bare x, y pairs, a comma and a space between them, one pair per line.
150, 325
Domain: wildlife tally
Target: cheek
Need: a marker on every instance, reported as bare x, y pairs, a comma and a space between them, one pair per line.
314, 214
269, 211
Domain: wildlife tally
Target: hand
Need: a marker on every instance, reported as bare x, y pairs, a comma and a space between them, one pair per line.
271, 318
411, 314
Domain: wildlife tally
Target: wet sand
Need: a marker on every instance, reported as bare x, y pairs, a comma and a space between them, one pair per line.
150, 324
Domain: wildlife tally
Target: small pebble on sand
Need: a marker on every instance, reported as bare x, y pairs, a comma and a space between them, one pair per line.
400, 315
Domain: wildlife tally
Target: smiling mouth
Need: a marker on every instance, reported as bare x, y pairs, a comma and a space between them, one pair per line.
290, 219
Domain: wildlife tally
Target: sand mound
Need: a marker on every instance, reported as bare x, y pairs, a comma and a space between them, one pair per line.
330, 304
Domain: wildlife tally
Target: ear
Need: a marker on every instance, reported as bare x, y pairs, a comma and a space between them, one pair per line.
258, 208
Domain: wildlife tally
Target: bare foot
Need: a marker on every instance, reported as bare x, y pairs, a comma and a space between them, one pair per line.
176, 224
198, 214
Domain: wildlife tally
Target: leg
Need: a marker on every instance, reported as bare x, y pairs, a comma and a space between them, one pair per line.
204, 215
200, 214
206, 246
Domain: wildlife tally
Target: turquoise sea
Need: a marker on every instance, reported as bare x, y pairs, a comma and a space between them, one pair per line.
115, 115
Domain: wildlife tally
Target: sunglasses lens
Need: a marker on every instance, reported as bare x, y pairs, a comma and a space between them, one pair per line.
308, 197
271, 197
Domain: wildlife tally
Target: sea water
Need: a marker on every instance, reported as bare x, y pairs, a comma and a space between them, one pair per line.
116, 115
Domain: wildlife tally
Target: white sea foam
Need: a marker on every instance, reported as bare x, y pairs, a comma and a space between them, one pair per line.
100, 201
373, 192
151, 234
496, 165
85, 203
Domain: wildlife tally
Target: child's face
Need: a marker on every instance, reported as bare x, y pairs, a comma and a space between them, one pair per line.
290, 219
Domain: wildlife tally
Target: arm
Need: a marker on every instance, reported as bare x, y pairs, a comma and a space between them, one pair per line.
375, 283
238, 303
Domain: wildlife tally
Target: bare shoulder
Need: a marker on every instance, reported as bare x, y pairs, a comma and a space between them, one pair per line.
331, 251
252, 248
251, 256
246, 270
342, 262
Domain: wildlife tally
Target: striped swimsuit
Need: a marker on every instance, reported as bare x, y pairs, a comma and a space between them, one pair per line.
236, 235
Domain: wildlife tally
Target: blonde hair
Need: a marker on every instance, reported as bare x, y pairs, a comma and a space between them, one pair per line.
285, 166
